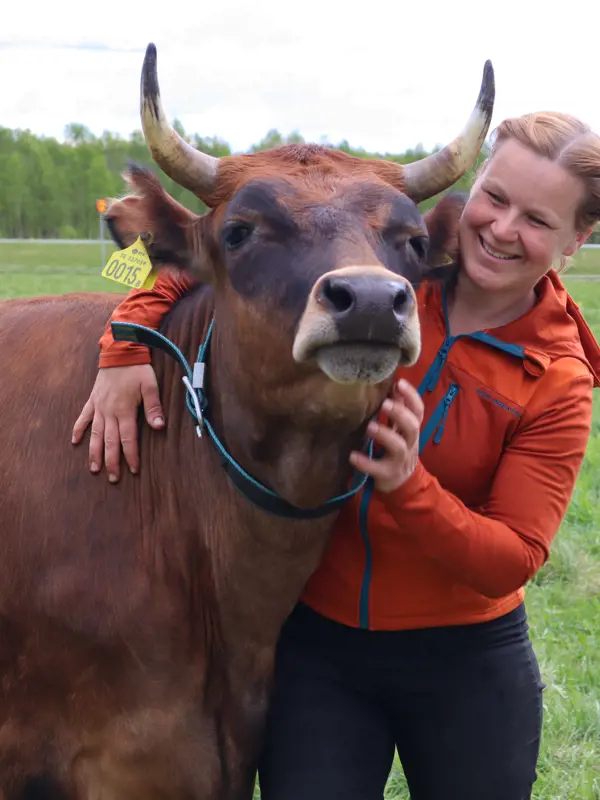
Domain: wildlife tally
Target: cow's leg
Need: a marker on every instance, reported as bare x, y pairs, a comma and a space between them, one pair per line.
42, 787
165, 754
159, 780
151, 754
18, 783
33, 762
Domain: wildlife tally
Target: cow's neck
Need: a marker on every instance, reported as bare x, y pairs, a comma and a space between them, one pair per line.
302, 458
261, 561
304, 463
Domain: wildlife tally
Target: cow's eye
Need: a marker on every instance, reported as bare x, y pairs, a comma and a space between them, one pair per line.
236, 234
420, 245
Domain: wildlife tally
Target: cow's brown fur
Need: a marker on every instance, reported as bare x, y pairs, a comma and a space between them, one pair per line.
138, 621
312, 166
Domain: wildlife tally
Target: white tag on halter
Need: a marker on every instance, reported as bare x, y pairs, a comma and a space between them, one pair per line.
196, 402
198, 376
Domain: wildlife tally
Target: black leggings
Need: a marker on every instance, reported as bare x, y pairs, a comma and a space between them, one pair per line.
462, 705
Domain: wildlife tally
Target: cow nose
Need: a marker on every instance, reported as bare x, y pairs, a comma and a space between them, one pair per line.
347, 296
366, 308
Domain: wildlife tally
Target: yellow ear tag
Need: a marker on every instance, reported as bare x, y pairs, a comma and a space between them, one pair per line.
131, 267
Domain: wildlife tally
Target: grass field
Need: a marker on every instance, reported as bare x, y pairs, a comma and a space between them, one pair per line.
563, 600
44, 267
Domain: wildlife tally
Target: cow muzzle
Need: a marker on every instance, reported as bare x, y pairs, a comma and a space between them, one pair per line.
359, 325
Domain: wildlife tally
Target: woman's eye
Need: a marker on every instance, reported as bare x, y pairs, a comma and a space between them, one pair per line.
537, 221
236, 234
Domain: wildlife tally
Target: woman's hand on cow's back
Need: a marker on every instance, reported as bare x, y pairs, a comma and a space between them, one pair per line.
112, 409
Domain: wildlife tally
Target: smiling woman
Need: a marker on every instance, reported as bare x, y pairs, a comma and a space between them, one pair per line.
534, 203
412, 633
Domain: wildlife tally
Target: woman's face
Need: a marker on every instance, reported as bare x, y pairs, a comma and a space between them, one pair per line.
519, 220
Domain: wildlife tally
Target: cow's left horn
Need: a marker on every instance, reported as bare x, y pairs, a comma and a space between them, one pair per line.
187, 166
433, 174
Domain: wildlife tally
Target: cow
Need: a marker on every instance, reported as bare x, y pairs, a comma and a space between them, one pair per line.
138, 621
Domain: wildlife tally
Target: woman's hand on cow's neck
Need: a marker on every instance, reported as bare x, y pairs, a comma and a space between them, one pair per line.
398, 434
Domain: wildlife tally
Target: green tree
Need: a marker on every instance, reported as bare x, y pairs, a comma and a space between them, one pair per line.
49, 188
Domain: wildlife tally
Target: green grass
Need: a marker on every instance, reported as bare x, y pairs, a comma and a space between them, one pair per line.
85, 259
32, 269
585, 262
563, 600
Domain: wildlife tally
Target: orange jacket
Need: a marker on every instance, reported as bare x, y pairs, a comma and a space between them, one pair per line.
507, 420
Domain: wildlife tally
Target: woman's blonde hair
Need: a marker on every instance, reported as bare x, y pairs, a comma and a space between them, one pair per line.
567, 141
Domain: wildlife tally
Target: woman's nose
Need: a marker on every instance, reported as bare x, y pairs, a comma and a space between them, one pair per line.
504, 227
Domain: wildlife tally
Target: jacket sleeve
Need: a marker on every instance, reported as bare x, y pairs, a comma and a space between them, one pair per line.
145, 307
497, 548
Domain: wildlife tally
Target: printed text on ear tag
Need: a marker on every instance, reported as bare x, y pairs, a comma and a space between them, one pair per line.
131, 267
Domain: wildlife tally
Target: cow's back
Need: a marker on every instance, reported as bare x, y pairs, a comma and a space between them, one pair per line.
49, 351
58, 521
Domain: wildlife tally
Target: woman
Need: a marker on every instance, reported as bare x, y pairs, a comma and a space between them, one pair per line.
412, 634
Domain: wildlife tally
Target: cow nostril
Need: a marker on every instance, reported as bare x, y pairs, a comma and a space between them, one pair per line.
401, 300
337, 295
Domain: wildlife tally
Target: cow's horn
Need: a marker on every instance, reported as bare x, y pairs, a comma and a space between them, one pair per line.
187, 166
435, 173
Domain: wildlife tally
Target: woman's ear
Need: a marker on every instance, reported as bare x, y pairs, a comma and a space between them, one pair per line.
578, 241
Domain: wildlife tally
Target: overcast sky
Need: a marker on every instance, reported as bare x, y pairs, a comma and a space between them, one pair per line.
387, 77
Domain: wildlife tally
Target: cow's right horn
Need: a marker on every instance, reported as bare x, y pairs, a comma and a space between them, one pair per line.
187, 166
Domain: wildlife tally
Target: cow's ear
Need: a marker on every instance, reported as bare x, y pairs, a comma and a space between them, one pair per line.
442, 223
176, 234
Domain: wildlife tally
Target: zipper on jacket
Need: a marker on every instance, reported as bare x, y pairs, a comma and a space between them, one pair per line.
435, 426
363, 515
437, 420
432, 375
436, 423
447, 402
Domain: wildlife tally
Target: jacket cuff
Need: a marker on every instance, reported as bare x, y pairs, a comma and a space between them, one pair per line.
125, 359
419, 481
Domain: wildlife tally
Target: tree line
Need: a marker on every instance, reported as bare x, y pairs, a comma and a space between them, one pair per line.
49, 188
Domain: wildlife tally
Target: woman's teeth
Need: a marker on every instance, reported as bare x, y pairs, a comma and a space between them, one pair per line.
495, 253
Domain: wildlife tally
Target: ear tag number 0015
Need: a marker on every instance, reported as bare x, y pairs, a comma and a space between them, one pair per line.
131, 267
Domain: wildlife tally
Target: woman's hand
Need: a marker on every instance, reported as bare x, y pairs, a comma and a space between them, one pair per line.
399, 439
112, 409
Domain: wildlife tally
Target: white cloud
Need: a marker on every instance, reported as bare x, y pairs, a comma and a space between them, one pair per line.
386, 77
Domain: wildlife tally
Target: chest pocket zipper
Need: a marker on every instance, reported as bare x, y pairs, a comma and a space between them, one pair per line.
448, 400
437, 421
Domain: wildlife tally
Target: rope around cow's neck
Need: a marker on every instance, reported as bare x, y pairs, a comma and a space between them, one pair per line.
197, 404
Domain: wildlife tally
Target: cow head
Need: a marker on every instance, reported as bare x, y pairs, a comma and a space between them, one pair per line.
314, 254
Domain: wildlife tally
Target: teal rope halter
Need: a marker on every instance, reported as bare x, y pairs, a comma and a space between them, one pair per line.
197, 404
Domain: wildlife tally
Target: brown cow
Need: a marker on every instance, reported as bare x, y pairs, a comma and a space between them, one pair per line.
138, 622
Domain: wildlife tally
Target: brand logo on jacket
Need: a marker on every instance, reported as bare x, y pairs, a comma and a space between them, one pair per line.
499, 403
